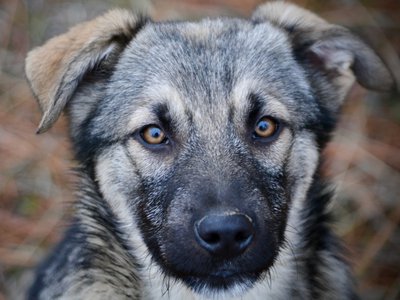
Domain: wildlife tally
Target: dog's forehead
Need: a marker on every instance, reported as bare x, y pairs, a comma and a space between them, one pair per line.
210, 64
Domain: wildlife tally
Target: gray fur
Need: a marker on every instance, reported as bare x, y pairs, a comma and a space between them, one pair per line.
131, 236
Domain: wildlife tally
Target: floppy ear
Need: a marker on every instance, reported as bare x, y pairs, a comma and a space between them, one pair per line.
327, 50
55, 69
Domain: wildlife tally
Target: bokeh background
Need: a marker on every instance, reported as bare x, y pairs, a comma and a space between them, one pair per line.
363, 160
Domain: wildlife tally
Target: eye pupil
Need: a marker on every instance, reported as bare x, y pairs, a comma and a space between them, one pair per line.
153, 134
266, 127
263, 126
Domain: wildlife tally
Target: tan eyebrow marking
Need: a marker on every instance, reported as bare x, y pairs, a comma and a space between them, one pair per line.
240, 99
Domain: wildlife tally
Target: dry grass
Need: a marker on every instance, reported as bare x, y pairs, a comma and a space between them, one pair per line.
363, 159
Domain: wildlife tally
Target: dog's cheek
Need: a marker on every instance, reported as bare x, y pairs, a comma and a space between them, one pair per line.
271, 179
117, 180
302, 164
153, 171
272, 156
124, 188
301, 167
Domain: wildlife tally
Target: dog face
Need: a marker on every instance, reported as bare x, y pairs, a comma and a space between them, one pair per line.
202, 182
203, 137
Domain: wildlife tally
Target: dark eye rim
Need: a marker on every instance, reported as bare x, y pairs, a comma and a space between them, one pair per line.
279, 126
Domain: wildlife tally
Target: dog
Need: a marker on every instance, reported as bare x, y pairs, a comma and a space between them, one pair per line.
199, 148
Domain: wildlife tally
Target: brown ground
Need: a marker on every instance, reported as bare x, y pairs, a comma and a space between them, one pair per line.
35, 176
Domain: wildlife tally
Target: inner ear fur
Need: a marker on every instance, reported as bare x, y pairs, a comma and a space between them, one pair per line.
327, 49
55, 69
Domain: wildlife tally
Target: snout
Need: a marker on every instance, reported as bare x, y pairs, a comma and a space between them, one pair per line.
225, 235
218, 238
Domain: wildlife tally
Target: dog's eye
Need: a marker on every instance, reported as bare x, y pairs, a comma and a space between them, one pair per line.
153, 134
265, 127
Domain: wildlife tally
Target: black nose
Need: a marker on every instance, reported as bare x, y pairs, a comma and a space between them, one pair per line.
225, 235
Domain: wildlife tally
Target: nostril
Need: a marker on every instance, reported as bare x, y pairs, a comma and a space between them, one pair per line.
212, 238
242, 236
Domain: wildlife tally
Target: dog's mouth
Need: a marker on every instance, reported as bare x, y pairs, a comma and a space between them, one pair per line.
224, 280
229, 280
224, 273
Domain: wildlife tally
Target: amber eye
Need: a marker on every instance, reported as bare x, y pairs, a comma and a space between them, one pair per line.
153, 134
265, 127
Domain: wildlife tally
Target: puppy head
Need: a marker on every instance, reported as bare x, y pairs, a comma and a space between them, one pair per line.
204, 137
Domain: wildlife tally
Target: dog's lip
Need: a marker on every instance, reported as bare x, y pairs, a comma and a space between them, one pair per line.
224, 273
222, 279
219, 274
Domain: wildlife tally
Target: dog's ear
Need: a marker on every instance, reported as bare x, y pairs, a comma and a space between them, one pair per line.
327, 50
55, 69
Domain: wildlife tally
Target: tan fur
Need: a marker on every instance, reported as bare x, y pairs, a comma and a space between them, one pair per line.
342, 54
199, 31
241, 91
285, 14
66, 58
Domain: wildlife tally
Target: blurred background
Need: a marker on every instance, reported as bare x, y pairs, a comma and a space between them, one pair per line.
363, 160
